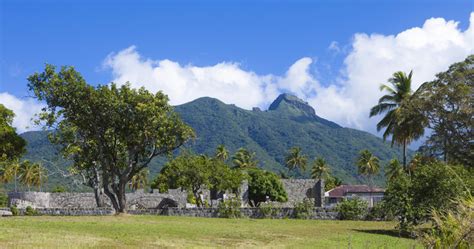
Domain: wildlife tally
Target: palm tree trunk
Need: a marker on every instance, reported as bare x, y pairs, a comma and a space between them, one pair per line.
405, 154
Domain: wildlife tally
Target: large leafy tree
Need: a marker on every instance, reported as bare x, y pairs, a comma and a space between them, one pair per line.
264, 184
295, 159
244, 159
448, 105
125, 127
402, 128
194, 173
368, 165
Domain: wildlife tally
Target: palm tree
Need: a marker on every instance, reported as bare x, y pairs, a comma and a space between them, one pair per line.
395, 122
295, 159
222, 153
31, 174
140, 180
244, 159
368, 165
394, 170
320, 168
10, 172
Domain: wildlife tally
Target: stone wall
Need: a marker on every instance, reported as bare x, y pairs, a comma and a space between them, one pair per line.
256, 213
297, 190
139, 199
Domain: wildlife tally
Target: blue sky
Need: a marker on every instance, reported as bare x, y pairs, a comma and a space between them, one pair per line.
306, 47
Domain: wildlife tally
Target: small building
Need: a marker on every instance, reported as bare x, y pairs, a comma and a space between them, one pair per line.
372, 195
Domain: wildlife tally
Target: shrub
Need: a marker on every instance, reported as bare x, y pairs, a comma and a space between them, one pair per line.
3, 200
379, 212
304, 209
265, 185
452, 229
14, 211
352, 209
229, 208
59, 189
29, 211
268, 210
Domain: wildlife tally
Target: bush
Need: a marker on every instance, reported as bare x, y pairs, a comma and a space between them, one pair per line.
379, 212
30, 211
452, 229
59, 189
268, 210
304, 209
352, 209
265, 185
14, 211
229, 208
3, 200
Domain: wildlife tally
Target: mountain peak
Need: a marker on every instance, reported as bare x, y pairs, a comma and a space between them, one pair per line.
290, 102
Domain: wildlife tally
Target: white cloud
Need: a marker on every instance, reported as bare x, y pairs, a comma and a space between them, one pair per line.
426, 50
371, 60
24, 110
225, 81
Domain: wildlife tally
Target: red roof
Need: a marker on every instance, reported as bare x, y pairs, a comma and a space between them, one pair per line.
342, 190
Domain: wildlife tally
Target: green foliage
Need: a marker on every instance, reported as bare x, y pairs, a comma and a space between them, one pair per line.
244, 159
14, 210
397, 123
331, 182
193, 172
263, 184
304, 209
29, 211
368, 165
140, 180
229, 208
268, 210
379, 212
352, 209
320, 169
118, 130
432, 186
59, 189
12, 146
3, 199
446, 104
295, 159
452, 229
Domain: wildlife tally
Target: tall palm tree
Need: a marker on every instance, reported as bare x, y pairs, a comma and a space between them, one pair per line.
140, 180
395, 122
394, 170
296, 159
320, 168
368, 165
222, 153
10, 172
244, 159
31, 174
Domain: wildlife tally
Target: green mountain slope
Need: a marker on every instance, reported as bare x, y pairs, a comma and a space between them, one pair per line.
288, 122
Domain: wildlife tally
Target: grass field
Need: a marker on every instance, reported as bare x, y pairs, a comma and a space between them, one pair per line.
177, 232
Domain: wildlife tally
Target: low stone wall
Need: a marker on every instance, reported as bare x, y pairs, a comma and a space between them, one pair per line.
255, 213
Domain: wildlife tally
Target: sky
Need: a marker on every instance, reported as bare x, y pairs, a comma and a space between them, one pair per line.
333, 54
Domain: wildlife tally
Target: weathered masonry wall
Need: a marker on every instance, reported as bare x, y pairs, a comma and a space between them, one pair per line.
277, 213
136, 200
297, 190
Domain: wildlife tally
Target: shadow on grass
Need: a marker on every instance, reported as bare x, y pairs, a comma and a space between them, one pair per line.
391, 232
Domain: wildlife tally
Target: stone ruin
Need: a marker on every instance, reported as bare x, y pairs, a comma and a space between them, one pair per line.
297, 190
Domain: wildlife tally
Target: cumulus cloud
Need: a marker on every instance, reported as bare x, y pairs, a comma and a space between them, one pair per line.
226, 81
24, 109
371, 60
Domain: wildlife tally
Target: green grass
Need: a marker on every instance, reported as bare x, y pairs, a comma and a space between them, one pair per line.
178, 232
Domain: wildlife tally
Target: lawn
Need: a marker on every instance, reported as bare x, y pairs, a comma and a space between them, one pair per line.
176, 232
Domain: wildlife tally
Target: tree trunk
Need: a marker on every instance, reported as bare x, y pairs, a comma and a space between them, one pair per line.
98, 194
405, 155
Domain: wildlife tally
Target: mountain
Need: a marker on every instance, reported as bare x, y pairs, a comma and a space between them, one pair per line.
288, 122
